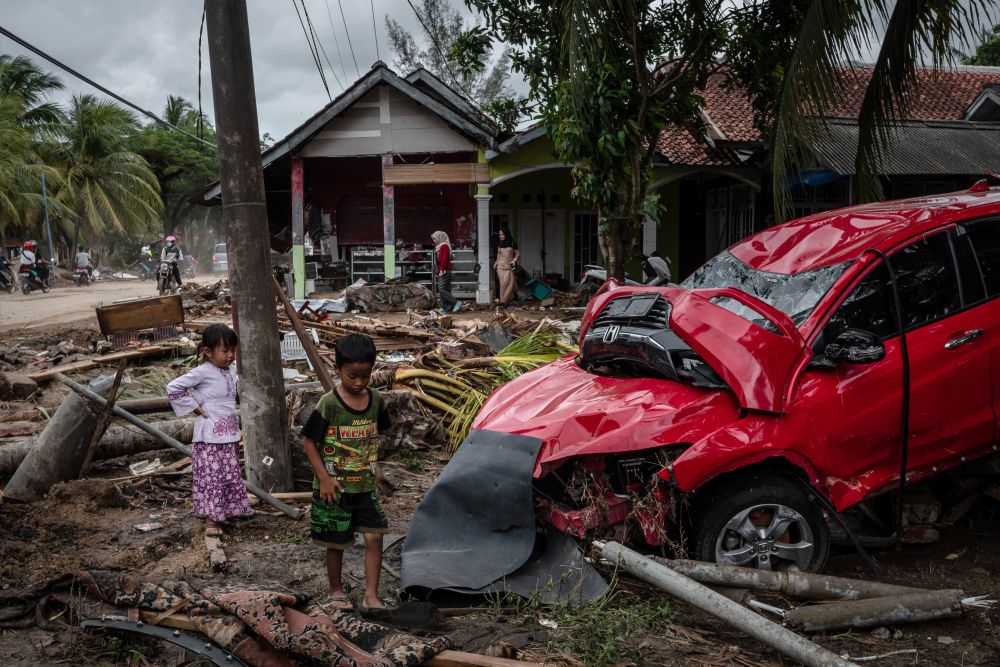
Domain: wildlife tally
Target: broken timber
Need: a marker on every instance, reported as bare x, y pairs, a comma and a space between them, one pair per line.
875, 612
319, 365
87, 364
794, 646
803, 585
166, 439
105, 420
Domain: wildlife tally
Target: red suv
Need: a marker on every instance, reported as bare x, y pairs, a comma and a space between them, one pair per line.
784, 384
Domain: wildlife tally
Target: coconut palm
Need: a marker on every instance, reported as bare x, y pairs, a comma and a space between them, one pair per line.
907, 35
21, 77
107, 185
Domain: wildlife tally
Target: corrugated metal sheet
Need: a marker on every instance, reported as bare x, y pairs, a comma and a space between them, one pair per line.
919, 147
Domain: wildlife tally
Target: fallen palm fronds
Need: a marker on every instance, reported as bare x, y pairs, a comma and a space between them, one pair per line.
458, 389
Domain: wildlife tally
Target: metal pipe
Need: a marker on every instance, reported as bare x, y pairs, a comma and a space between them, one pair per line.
167, 440
791, 644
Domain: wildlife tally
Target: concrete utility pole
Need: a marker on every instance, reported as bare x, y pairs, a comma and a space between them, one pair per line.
262, 393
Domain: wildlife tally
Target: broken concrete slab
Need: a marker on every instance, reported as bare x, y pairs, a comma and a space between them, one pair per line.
16, 387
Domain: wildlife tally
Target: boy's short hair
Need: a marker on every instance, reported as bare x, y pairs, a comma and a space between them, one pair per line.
355, 348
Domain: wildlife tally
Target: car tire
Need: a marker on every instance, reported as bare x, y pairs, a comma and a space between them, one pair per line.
767, 521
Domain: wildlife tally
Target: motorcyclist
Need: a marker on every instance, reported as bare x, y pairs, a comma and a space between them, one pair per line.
145, 260
172, 253
30, 260
83, 261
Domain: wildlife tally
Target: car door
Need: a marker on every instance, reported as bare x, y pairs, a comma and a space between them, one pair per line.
984, 239
951, 411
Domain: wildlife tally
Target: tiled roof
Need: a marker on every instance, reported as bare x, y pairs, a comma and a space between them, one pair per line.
939, 95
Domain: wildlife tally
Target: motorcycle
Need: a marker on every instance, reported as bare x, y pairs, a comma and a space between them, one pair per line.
655, 268
165, 281
191, 269
81, 276
7, 283
33, 278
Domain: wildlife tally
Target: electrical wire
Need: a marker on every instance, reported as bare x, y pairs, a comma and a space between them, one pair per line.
201, 32
348, 33
375, 29
333, 29
312, 51
319, 44
66, 68
455, 80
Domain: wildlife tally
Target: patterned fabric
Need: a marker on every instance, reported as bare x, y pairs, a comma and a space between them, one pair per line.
266, 628
216, 483
213, 389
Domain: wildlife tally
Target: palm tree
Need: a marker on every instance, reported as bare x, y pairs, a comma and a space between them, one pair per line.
831, 34
21, 77
107, 186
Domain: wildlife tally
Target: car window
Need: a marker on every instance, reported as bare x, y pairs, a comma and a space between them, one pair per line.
221, 248
868, 307
926, 278
985, 237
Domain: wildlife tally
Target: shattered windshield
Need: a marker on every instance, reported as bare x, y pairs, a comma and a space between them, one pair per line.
794, 295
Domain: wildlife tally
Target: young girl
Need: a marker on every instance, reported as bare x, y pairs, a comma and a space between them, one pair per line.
209, 391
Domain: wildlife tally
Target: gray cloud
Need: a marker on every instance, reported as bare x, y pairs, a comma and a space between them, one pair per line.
145, 50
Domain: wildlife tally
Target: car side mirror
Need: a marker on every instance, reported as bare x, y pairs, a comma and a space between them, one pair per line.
855, 346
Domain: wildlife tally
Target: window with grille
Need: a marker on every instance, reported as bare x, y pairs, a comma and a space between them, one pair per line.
585, 247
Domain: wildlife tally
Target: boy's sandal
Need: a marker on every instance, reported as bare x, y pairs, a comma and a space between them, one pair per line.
340, 601
366, 609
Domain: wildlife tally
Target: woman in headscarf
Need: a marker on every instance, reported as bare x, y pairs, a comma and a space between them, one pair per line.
507, 256
442, 264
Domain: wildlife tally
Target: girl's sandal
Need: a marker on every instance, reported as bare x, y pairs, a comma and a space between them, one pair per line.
214, 530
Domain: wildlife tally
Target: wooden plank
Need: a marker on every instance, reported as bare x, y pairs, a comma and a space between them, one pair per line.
157, 311
105, 420
462, 659
87, 364
318, 364
417, 174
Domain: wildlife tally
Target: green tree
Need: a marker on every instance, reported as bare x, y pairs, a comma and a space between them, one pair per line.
107, 185
988, 51
21, 77
445, 26
182, 166
607, 76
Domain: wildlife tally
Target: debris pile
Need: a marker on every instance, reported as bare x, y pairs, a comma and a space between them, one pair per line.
206, 300
389, 297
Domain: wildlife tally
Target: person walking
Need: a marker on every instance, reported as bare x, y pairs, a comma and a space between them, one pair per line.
442, 254
507, 256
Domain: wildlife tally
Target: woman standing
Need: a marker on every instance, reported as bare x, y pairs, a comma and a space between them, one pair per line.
507, 256
442, 254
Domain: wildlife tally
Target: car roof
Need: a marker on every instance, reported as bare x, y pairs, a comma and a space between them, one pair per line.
845, 234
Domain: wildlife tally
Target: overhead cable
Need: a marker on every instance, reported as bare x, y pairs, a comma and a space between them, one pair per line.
340, 55
66, 68
318, 43
348, 33
312, 50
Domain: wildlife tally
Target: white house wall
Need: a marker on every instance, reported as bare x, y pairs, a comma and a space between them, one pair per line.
386, 121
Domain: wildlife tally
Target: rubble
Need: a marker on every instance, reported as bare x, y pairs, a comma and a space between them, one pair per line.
15, 386
206, 300
389, 297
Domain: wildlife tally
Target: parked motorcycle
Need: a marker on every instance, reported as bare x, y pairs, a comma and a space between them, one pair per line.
655, 268
81, 276
33, 278
165, 281
7, 283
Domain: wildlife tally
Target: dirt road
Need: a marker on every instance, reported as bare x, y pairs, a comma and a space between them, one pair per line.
65, 304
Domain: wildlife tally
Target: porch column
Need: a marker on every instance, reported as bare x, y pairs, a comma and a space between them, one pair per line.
648, 235
298, 233
483, 243
388, 222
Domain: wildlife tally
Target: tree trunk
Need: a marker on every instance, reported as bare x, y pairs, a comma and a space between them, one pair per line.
59, 452
262, 393
117, 441
616, 238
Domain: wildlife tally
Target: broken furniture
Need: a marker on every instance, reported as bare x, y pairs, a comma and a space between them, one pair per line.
123, 320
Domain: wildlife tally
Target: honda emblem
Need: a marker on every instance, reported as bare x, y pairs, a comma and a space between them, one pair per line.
612, 333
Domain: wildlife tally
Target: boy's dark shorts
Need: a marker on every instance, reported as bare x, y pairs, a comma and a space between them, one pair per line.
334, 524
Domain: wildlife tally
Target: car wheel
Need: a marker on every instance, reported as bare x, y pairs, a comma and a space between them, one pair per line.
765, 521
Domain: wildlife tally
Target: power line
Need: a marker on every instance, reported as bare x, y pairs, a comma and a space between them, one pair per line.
444, 58
201, 31
312, 51
37, 51
317, 42
348, 33
375, 30
336, 41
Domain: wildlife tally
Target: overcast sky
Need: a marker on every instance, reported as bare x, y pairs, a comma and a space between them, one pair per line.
146, 49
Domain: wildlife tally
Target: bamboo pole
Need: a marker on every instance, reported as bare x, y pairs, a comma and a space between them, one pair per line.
167, 440
704, 598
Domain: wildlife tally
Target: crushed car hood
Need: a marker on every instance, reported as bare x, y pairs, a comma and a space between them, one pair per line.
759, 364
574, 412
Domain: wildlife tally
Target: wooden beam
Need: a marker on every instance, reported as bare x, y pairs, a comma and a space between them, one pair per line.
105, 420
87, 364
317, 361
420, 174
462, 659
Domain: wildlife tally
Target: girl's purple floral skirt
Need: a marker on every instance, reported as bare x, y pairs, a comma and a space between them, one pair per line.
216, 484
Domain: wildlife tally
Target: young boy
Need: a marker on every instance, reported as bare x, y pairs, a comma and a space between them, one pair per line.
341, 440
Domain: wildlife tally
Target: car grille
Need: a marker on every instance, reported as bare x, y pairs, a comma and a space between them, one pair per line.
656, 316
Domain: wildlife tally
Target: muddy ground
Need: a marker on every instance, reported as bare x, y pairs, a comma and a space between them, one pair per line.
89, 524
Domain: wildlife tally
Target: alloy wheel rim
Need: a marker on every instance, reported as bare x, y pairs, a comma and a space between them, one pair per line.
768, 536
